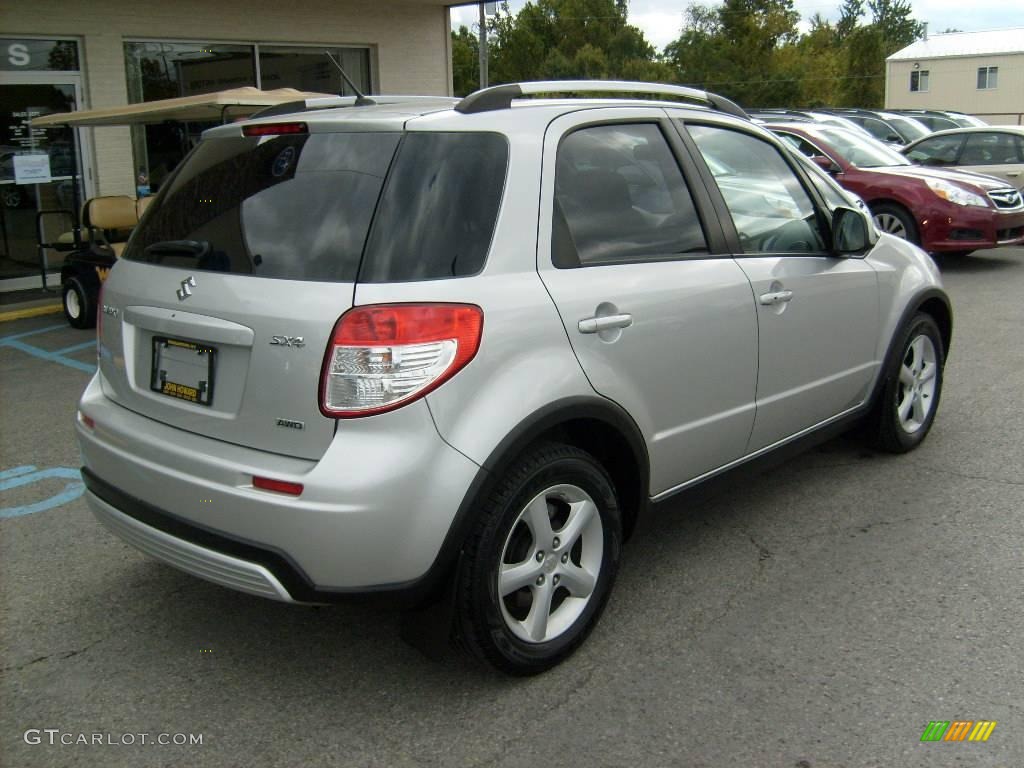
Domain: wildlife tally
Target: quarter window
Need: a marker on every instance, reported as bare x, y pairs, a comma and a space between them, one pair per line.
770, 208
919, 80
988, 78
621, 197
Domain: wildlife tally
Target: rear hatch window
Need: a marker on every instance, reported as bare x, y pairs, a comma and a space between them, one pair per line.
287, 207
300, 207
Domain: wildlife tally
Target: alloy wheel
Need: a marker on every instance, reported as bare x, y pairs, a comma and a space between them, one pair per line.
915, 396
550, 563
890, 224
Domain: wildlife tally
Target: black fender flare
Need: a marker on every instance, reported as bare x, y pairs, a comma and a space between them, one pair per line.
526, 432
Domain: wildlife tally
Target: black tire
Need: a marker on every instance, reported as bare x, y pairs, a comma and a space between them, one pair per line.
484, 621
886, 430
79, 304
899, 214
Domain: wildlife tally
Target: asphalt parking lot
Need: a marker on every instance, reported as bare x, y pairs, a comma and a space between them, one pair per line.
819, 615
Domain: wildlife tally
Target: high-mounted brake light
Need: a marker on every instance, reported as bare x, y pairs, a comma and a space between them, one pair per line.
273, 129
383, 356
280, 486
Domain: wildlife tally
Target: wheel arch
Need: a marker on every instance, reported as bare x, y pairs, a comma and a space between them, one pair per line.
935, 303
593, 424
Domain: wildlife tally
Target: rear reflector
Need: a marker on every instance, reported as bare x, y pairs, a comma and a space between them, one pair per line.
87, 420
384, 356
273, 129
280, 486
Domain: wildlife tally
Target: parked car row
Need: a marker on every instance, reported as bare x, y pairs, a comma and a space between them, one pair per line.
896, 127
954, 190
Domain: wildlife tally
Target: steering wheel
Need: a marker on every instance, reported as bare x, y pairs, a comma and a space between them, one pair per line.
791, 237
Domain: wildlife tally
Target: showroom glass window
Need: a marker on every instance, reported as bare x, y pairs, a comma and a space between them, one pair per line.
159, 70
309, 69
165, 70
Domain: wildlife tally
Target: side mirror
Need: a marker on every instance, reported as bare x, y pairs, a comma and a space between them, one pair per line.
849, 231
827, 164
894, 138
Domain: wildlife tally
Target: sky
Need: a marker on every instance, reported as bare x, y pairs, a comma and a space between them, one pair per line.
661, 20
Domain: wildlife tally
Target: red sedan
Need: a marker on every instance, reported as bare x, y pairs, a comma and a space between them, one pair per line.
941, 210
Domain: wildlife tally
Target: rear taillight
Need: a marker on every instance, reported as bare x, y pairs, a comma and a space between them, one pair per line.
383, 356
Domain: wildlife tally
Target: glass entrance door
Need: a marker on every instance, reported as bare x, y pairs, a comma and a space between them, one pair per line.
38, 168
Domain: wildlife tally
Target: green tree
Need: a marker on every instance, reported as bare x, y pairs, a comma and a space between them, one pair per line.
560, 39
741, 49
866, 48
893, 19
465, 61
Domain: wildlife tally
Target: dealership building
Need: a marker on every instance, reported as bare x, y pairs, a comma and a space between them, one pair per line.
60, 55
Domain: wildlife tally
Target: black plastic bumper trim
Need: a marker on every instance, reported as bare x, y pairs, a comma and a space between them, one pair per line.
284, 569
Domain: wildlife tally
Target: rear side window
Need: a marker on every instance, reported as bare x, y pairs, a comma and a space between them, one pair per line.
992, 149
439, 208
289, 207
940, 150
620, 197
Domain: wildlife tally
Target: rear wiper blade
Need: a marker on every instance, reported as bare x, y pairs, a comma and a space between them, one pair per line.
195, 248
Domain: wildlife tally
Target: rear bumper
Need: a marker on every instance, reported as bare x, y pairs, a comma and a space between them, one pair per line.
374, 514
207, 563
965, 228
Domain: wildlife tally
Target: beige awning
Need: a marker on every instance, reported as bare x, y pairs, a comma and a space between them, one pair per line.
237, 102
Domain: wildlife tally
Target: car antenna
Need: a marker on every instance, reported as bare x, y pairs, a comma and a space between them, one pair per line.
361, 100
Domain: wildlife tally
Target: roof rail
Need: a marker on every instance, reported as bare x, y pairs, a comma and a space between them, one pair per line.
501, 96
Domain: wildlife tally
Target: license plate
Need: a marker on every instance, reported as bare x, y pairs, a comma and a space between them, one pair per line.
183, 370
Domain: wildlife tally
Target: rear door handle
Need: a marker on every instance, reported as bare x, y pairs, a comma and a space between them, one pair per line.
604, 323
775, 297
1013, 173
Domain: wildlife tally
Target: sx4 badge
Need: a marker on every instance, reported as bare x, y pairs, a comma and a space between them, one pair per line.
287, 341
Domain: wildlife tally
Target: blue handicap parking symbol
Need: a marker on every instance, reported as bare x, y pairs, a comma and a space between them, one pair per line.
18, 476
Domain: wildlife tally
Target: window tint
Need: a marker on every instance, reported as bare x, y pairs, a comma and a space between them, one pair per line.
939, 150
992, 149
620, 197
770, 208
439, 208
292, 207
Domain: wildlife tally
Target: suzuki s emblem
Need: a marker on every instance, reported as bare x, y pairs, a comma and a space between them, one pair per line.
186, 288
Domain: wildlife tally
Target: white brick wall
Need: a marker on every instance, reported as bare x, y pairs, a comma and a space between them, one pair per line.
410, 40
